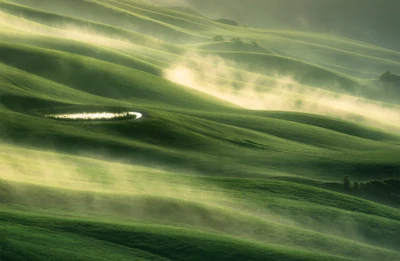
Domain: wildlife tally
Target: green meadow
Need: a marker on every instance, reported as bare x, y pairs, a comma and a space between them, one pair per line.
254, 144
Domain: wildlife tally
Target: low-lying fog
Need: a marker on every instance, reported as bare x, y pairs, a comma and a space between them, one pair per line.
215, 76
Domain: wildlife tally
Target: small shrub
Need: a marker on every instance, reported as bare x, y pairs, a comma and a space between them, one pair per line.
237, 40
218, 38
255, 44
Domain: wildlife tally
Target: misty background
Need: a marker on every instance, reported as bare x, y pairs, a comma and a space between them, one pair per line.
372, 21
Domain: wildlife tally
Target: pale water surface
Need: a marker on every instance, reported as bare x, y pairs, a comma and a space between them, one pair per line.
95, 115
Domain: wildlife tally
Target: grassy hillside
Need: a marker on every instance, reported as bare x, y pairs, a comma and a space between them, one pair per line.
268, 145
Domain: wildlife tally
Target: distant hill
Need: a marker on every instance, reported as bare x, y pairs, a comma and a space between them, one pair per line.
372, 21
186, 10
227, 21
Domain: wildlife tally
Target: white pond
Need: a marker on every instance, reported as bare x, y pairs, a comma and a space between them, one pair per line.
95, 115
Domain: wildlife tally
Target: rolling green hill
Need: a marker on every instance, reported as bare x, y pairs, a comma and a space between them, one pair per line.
243, 149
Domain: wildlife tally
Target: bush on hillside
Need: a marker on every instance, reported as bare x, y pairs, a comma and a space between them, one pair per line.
255, 44
237, 40
218, 38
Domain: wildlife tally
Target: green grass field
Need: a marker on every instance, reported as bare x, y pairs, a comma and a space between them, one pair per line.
241, 152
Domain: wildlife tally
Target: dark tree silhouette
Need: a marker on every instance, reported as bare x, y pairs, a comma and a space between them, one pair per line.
389, 77
346, 182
